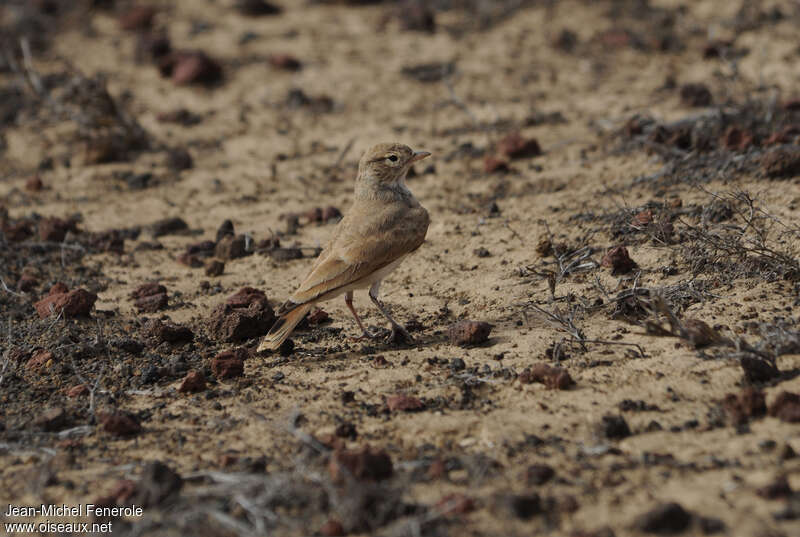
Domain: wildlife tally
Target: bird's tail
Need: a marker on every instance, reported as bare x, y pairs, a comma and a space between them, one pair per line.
283, 328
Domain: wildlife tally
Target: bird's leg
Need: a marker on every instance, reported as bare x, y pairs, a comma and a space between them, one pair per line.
348, 299
399, 332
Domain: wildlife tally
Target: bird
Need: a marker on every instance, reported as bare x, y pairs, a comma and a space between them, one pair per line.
383, 226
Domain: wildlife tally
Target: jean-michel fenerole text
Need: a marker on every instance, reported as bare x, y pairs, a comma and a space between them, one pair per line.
64, 510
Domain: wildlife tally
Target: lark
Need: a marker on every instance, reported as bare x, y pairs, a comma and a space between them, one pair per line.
383, 226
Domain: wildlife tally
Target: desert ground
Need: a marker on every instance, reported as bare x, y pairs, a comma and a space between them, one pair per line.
604, 312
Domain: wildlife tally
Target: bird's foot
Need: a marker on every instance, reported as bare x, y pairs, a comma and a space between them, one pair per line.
367, 335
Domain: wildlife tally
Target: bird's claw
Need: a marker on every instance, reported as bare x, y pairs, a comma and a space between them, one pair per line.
367, 335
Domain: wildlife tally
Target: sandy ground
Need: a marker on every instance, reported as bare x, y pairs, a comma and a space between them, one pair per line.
256, 160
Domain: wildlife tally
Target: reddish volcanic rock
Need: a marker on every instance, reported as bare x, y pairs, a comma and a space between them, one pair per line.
190, 67
245, 315
514, 146
150, 297
367, 464
167, 332
193, 382
401, 402
492, 164
618, 260
555, 378
75, 303
465, 333
39, 360
138, 18
229, 364
786, 407
119, 423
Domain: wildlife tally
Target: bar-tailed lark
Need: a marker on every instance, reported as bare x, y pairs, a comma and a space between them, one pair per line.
383, 226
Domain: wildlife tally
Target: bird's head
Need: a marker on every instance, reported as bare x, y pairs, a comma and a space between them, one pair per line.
386, 165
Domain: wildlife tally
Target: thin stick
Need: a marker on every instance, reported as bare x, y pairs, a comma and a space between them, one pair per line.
7, 290
344, 152
6, 355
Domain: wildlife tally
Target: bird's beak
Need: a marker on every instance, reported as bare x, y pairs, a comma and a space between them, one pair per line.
419, 155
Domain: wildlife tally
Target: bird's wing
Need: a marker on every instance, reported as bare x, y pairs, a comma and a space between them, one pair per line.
354, 256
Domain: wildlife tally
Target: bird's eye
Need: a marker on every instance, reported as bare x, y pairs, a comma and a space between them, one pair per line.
392, 158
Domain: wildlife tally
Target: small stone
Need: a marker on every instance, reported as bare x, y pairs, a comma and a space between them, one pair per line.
181, 116
214, 267
455, 504
465, 333
555, 378
285, 254
190, 67
148, 289
151, 46
332, 528
642, 219
54, 229
404, 403
229, 364
34, 184
525, 506
367, 464
27, 283
457, 364
515, 146
539, 474
331, 213
245, 315
179, 159
482, 252
121, 494
40, 360
286, 62
318, 317
614, 428
618, 260
567, 40
786, 407
781, 163
710, 525
51, 420
190, 260
544, 247
757, 370
138, 18
287, 348
168, 332
78, 390
158, 484
150, 297
225, 230
664, 519
230, 247
779, 488
75, 303
257, 8
696, 95
700, 334
416, 16
168, 226
749, 403
736, 139
119, 423
58, 288
492, 164
194, 382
